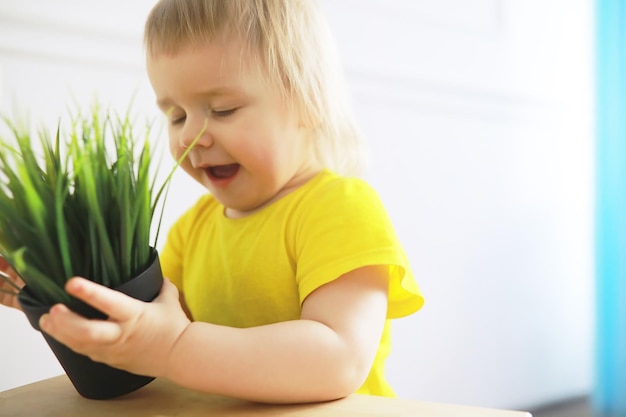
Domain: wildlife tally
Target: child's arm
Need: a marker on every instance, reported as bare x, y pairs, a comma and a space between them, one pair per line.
327, 354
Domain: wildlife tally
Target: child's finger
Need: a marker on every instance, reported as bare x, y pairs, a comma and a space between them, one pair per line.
168, 292
76, 331
116, 305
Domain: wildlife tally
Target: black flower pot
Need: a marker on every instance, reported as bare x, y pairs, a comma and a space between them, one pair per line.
95, 380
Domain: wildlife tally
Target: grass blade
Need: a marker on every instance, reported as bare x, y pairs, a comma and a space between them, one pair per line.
75, 206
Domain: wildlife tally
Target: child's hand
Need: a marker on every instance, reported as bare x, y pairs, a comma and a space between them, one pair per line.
138, 337
10, 283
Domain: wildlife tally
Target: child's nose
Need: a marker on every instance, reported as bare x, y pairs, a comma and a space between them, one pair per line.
195, 132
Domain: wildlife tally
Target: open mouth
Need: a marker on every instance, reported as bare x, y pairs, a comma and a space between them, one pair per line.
222, 172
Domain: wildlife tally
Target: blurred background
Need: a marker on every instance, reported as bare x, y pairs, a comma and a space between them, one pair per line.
479, 116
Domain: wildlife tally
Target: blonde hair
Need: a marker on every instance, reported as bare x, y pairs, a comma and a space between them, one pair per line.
290, 42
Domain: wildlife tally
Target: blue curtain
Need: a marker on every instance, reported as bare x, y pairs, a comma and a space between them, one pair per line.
609, 397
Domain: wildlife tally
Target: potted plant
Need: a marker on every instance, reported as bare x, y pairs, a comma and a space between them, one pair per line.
81, 203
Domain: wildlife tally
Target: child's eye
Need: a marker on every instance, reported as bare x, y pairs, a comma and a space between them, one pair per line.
177, 120
224, 113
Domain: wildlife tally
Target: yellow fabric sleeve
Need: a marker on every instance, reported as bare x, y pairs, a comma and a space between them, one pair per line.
346, 227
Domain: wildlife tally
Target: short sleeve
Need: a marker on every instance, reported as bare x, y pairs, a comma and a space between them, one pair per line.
347, 227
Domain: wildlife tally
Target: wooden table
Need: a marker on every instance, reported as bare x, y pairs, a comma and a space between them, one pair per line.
56, 397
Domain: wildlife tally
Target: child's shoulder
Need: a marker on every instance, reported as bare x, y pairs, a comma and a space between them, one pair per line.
337, 196
205, 205
202, 204
329, 185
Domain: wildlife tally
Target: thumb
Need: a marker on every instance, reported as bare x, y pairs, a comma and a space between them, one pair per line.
168, 292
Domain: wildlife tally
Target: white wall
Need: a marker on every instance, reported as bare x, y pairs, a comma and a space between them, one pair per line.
478, 116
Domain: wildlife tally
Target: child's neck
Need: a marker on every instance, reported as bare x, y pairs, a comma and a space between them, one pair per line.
295, 183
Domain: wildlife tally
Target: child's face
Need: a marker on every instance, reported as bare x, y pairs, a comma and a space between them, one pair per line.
253, 149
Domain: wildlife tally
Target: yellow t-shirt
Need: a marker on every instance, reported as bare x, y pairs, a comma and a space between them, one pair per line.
259, 269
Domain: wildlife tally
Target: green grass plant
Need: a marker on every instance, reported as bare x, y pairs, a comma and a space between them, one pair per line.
79, 203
